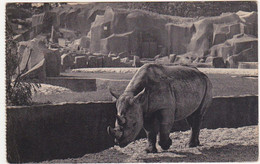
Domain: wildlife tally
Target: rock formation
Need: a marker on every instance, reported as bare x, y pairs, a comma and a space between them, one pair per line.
220, 41
142, 33
37, 60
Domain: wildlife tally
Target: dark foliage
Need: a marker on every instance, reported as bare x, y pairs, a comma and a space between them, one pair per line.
18, 92
195, 9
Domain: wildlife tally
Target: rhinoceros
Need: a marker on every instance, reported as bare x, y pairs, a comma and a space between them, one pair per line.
156, 96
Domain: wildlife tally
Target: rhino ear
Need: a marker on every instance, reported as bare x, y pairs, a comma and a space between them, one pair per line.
115, 95
140, 97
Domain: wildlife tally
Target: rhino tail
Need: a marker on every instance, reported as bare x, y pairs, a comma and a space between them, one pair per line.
207, 98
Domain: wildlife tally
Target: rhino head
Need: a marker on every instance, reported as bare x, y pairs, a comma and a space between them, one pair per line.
129, 118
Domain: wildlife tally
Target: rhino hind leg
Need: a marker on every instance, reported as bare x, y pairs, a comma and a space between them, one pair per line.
194, 122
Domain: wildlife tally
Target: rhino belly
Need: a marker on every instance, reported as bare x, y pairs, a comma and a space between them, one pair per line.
188, 95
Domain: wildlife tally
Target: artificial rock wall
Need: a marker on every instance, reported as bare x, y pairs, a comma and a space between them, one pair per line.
230, 36
37, 60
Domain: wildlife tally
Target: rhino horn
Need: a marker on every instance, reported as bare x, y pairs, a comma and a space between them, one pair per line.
111, 131
121, 120
114, 133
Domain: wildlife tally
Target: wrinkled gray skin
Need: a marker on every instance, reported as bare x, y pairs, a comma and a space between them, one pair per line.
156, 97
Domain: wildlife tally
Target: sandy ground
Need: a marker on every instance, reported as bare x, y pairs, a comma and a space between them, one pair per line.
48, 89
218, 145
245, 72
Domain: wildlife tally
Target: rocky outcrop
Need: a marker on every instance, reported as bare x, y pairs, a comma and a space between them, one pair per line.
34, 55
77, 18
53, 62
249, 20
216, 62
44, 22
36, 72
80, 62
67, 34
230, 37
146, 34
136, 61
66, 61
241, 48
178, 37
138, 32
116, 43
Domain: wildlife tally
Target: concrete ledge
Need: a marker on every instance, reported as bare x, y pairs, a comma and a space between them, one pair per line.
60, 131
248, 72
248, 65
74, 83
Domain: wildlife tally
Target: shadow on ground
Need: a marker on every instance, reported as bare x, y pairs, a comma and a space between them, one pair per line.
228, 153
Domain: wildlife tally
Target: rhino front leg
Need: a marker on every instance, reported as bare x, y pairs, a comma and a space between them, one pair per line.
164, 140
166, 122
151, 128
151, 148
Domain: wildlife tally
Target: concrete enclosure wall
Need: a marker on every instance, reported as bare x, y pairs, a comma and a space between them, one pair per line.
46, 132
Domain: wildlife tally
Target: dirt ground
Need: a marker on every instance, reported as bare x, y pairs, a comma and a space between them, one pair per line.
218, 145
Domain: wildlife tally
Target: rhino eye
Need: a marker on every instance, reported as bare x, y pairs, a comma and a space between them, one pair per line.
123, 112
121, 120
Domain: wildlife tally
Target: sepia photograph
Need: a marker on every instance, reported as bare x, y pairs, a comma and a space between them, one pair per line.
131, 81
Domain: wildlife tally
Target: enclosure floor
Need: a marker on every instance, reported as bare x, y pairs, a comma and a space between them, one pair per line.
218, 145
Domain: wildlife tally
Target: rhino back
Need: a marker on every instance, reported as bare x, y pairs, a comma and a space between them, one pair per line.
177, 88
